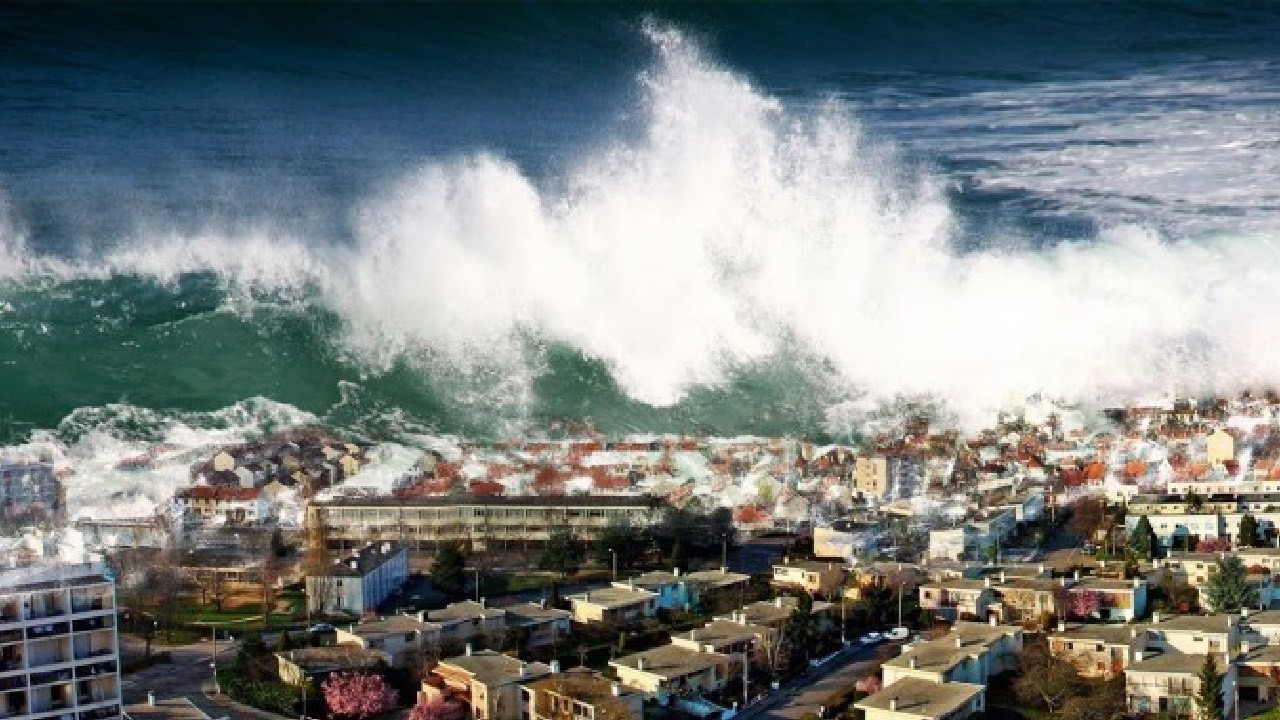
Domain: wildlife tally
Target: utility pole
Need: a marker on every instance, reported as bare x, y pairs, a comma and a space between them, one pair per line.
746, 679
614, 554
724, 552
477, 583
899, 604
217, 689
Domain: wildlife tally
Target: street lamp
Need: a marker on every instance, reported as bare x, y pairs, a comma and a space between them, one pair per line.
724, 552
615, 562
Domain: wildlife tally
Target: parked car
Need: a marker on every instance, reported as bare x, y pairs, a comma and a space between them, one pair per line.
321, 628
871, 638
898, 633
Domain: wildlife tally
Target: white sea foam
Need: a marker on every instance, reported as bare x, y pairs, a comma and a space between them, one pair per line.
733, 230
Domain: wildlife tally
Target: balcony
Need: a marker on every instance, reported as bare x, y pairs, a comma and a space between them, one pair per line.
53, 676
12, 683
87, 653
81, 605
8, 612
89, 671
11, 663
36, 632
10, 636
97, 623
103, 712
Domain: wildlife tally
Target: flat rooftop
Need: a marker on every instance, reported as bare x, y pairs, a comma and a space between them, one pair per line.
921, 698
614, 597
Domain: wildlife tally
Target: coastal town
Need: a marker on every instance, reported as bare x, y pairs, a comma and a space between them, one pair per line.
1045, 566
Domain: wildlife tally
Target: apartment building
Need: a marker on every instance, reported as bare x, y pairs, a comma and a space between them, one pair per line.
30, 490
613, 605
463, 621
1117, 600
402, 637
59, 650
358, 582
1168, 683
536, 624
970, 653
1104, 651
231, 504
476, 520
672, 670
958, 599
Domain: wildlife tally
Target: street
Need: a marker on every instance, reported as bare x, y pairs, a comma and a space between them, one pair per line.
807, 694
188, 675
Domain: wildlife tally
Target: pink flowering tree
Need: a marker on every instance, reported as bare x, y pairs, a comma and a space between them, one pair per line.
1084, 603
356, 695
438, 708
869, 685
1213, 545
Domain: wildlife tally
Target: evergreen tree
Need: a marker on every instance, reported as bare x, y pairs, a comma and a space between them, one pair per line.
448, 569
628, 541
284, 643
1143, 539
1248, 536
1229, 589
802, 626
1195, 503
1210, 696
563, 553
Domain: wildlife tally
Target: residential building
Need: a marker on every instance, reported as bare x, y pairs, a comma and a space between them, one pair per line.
1194, 634
1104, 651
672, 670
871, 476
581, 694
474, 519
464, 621
30, 490
670, 588
958, 599
818, 578
970, 653
613, 605
706, 586
358, 582
402, 637
736, 640
1258, 673
317, 663
1118, 600
777, 612
915, 699
59, 650
1019, 599
230, 504
536, 625
1262, 627
489, 682
1220, 447
1168, 683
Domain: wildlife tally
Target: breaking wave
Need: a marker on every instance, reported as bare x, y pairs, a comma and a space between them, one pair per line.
721, 230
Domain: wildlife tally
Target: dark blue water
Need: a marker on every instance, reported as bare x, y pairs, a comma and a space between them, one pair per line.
123, 122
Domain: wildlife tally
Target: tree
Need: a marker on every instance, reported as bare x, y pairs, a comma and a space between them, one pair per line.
1229, 589
1195, 503
1088, 516
213, 587
1214, 545
357, 695
802, 626
1044, 681
1209, 698
448, 569
1248, 536
438, 708
621, 537
993, 554
1103, 701
1084, 603
284, 643
563, 553
1143, 539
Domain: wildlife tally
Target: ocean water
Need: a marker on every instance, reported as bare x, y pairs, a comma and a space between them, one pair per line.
488, 218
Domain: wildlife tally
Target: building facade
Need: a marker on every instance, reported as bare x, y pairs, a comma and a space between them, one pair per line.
358, 582
59, 650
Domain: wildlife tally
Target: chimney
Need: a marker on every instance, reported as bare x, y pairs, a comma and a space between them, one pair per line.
1040, 569
1245, 647
675, 571
992, 619
355, 564
1137, 583
986, 581
151, 698
524, 668
468, 651
1076, 575
1137, 656
631, 583
959, 641
386, 548
777, 602
742, 618
640, 664
483, 603
913, 662
724, 570
893, 704
555, 667
1244, 613
1155, 617
1003, 578
1062, 581
1062, 626
693, 634
1102, 563
1133, 632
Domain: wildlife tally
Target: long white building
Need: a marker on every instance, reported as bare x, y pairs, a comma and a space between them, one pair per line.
59, 651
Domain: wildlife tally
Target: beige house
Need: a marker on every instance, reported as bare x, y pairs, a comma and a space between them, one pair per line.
671, 669
1258, 673
1220, 447
1168, 683
1194, 634
958, 598
402, 637
915, 699
819, 579
581, 694
538, 624
1018, 599
1104, 651
489, 682
970, 653
613, 605
317, 663
467, 620
871, 476
775, 613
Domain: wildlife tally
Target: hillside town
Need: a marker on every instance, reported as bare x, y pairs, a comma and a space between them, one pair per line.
1045, 566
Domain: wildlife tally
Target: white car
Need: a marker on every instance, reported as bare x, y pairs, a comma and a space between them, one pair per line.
871, 638
898, 633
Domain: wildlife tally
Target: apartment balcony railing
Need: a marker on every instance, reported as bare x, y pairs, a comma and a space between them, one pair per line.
98, 714
45, 612
88, 605
103, 668
97, 623
36, 632
53, 676
10, 636
86, 653
12, 683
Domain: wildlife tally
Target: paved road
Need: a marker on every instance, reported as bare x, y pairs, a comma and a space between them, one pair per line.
187, 674
807, 694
